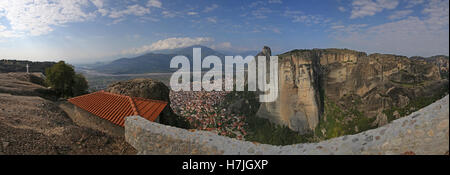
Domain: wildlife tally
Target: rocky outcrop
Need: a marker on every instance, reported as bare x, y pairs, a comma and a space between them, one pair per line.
352, 80
149, 89
20, 83
441, 61
298, 104
31, 125
141, 87
424, 132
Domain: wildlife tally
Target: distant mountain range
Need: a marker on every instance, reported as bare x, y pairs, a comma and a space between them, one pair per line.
159, 61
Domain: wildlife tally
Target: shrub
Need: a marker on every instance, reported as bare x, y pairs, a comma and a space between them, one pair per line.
62, 78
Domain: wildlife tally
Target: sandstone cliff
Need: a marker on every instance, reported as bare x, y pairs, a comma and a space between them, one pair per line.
340, 87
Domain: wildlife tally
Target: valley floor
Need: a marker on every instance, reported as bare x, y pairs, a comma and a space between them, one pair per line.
201, 109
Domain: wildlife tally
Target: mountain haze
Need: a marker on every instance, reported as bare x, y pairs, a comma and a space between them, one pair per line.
155, 62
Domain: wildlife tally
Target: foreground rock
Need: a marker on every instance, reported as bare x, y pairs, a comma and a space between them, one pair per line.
149, 89
33, 125
19, 83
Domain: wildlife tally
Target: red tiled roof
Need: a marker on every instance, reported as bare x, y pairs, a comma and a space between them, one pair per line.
115, 108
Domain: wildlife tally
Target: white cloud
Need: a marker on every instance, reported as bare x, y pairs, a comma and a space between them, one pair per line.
154, 3
256, 3
362, 8
136, 10
100, 4
210, 8
169, 14
438, 14
261, 13
170, 43
212, 19
275, 1
310, 19
38, 17
222, 46
412, 3
423, 36
276, 30
350, 29
342, 9
259, 28
298, 16
400, 14
192, 13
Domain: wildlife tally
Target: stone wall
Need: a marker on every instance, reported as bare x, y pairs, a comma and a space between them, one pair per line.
423, 132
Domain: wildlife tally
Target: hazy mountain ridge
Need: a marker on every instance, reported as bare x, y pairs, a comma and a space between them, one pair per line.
154, 62
150, 62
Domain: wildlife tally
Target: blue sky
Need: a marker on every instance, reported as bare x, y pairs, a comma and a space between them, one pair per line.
82, 31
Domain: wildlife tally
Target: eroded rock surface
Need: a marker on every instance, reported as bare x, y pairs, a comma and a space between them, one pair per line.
369, 84
149, 89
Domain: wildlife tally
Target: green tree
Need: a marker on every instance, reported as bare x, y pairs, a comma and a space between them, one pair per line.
80, 85
61, 77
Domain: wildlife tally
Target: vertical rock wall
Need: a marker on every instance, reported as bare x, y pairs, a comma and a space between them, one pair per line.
350, 79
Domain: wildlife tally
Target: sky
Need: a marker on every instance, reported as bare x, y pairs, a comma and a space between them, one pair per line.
87, 31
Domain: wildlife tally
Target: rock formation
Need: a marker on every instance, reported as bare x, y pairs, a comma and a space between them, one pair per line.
298, 97
20, 83
149, 89
350, 80
144, 88
440, 61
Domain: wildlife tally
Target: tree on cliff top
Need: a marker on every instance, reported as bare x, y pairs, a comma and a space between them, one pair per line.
62, 78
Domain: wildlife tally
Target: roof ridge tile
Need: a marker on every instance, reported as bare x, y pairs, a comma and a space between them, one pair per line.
133, 106
115, 107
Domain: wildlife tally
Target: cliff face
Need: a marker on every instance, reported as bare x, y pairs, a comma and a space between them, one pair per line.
440, 61
298, 104
310, 81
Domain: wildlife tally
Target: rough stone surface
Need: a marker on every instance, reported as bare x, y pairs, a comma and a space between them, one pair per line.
351, 79
23, 84
424, 132
31, 125
141, 87
149, 89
